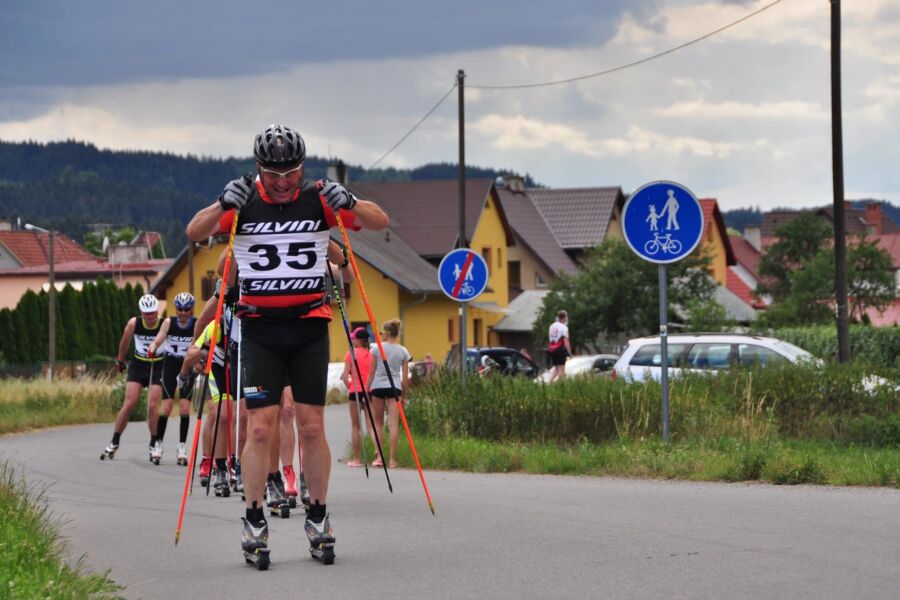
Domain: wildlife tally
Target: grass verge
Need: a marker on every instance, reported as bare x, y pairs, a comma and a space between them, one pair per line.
783, 462
32, 558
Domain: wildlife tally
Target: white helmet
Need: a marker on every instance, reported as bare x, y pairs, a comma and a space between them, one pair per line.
148, 303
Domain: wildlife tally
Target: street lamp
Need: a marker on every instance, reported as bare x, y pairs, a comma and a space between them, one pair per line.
52, 310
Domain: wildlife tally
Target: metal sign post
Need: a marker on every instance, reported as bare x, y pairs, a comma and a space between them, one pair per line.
463, 276
663, 222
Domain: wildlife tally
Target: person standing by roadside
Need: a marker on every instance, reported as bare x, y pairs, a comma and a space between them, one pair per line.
382, 392
356, 387
145, 371
560, 348
177, 334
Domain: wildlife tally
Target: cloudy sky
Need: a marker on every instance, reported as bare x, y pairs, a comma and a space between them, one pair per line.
743, 116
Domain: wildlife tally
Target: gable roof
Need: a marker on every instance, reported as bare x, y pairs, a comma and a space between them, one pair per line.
746, 255
522, 312
740, 289
426, 213
31, 248
531, 228
712, 216
578, 217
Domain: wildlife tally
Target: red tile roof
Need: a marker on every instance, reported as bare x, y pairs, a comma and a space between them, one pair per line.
31, 248
888, 318
746, 255
736, 286
94, 266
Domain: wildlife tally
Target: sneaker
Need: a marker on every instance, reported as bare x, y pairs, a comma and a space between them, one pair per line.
290, 481
254, 537
319, 533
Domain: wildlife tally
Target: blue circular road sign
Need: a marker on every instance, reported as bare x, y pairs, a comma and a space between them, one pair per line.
662, 222
463, 274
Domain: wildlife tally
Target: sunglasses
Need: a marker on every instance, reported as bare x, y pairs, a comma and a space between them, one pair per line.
283, 174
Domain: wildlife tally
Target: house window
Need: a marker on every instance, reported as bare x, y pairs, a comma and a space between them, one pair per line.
451, 330
499, 257
515, 274
208, 285
539, 281
478, 327
486, 255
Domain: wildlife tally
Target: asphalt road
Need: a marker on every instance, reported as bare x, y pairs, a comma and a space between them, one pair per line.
494, 536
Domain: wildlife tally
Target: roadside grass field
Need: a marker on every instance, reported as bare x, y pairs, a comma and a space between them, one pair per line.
33, 561
786, 425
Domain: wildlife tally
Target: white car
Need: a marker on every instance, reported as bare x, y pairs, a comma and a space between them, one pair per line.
335, 370
642, 358
588, 364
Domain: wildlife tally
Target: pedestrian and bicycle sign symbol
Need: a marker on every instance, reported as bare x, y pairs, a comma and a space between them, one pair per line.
662, 222
463, 275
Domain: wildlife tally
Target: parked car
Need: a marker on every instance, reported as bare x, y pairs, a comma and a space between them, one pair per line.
335, 370
494, 360
701, 352
584, 365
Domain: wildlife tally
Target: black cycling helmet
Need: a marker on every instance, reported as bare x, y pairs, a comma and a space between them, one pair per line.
279, 146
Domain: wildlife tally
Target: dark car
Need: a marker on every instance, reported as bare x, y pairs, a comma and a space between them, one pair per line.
494, 360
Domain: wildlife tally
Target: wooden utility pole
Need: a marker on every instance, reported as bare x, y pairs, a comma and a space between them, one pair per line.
462, 242
837, 168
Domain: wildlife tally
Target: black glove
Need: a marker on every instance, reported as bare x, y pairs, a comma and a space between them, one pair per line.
336, 195
236, 193
121, 365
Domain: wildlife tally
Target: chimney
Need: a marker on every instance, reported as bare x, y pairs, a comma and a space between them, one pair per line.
873, 216
515, 184
338, 172
753, 235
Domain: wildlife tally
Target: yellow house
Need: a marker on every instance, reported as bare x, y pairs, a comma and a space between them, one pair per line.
715, 241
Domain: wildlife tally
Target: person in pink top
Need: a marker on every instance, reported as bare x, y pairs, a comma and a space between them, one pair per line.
355, 387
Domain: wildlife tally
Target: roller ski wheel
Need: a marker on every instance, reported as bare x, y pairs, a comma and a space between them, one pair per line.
109, 452
321, 540
254, 544
258, 558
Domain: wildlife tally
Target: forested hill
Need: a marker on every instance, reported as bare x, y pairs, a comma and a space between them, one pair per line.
70, 185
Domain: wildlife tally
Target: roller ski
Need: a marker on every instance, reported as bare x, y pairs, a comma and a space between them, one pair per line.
254, 544
221, 485
321, 540
205, 467
237, 480
109, 452
290, 486
275, 500
155, 453
181, 456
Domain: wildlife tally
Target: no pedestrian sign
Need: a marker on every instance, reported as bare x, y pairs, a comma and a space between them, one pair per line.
463, 275
662, 222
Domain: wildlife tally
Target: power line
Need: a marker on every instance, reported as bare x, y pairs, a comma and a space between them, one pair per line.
416, 126
631, 64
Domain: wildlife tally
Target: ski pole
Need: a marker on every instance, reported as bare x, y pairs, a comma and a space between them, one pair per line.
367, 400
209, 360
362, 293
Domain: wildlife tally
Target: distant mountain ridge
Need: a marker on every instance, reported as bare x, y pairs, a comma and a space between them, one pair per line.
68, 185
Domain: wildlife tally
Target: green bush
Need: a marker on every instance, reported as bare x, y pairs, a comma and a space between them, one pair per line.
875, 346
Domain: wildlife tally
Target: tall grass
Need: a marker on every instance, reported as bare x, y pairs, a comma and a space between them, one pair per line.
794, 402
34, 403
33, 561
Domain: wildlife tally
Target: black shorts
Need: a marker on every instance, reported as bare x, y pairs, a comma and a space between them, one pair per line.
171, 367
558, 357
275, 352
385, 393
356, 397
140, 371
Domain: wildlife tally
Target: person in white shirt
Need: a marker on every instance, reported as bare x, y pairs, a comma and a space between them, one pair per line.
560, 348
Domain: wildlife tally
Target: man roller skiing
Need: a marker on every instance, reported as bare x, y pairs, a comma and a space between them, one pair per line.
175, 335
145, 371
281, 245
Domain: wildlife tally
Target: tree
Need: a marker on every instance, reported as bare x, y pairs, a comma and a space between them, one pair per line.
616, 292
798, 242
